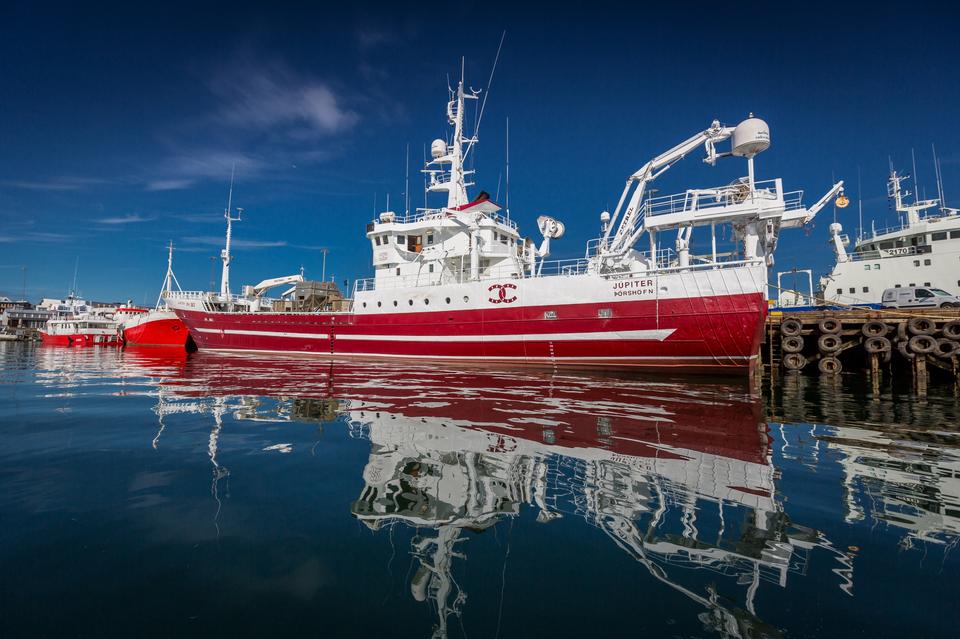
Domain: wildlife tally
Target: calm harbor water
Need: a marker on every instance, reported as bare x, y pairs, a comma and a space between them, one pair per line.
148, 493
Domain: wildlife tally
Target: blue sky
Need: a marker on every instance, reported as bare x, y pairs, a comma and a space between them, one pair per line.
119, 126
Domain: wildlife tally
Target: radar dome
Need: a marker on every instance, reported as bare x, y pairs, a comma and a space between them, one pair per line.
751, 136
605, 216
438, 148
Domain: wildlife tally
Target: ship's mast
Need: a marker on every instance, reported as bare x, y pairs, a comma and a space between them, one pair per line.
225, 253
912, 211
453, 180
169, 279
457, 193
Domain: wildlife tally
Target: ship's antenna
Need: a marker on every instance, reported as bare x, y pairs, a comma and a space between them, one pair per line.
939, 174
406, 186
233, 171
860, 205
493, 69
508, 169
76, 267
916, 182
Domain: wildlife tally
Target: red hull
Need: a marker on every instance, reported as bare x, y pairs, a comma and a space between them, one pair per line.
160, 332
79, 339
697, 334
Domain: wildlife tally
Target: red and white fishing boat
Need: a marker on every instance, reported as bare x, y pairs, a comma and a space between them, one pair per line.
81, 330
159, 326
459, 282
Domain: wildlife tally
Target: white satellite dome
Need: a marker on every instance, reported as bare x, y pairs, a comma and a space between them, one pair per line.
438, 148
750, 137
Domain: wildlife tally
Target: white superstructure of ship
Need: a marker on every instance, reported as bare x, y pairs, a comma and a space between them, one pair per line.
924, 250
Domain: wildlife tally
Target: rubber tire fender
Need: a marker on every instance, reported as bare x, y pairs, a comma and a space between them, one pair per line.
922, 344
794, 362
830, 365
829, 343
829, 325
792, 344
874, 328
877, 345
921, 326
791, 326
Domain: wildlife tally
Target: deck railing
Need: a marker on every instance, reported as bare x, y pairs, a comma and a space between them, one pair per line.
553, 268
439, 214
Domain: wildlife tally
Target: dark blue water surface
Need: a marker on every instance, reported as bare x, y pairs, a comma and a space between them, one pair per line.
154, 494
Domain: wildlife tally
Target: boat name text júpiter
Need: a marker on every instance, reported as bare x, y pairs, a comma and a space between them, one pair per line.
633, 287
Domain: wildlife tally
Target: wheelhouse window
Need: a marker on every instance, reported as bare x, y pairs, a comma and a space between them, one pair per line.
401, 239
940, 235
429, 239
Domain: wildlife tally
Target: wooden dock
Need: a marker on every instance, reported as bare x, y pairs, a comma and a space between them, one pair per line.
924, 344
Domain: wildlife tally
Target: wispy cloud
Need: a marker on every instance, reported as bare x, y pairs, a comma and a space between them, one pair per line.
184, 169
124, 219
172, 184
272, 97
62, 183
214, 240
199, 218
369, 38
36, 236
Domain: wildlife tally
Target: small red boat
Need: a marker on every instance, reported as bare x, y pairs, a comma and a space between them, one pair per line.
159, 326
84, 330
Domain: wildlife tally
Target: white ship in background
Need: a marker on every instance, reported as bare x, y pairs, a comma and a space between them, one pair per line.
924, 250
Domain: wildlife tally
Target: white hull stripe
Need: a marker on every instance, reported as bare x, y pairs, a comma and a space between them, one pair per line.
236, 331
687, 359
659, 335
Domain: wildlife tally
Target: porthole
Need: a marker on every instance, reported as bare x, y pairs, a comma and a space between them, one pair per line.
448, 300
394, 302
364, 304
410, 302
426, 302
466, 299
379, 304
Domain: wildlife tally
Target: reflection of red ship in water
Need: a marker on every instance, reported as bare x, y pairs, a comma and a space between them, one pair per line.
677, 476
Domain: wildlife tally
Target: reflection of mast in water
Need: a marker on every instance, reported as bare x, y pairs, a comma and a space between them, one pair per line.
431, 474
219, 472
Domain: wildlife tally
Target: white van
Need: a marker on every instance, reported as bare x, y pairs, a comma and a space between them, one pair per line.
919, 297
